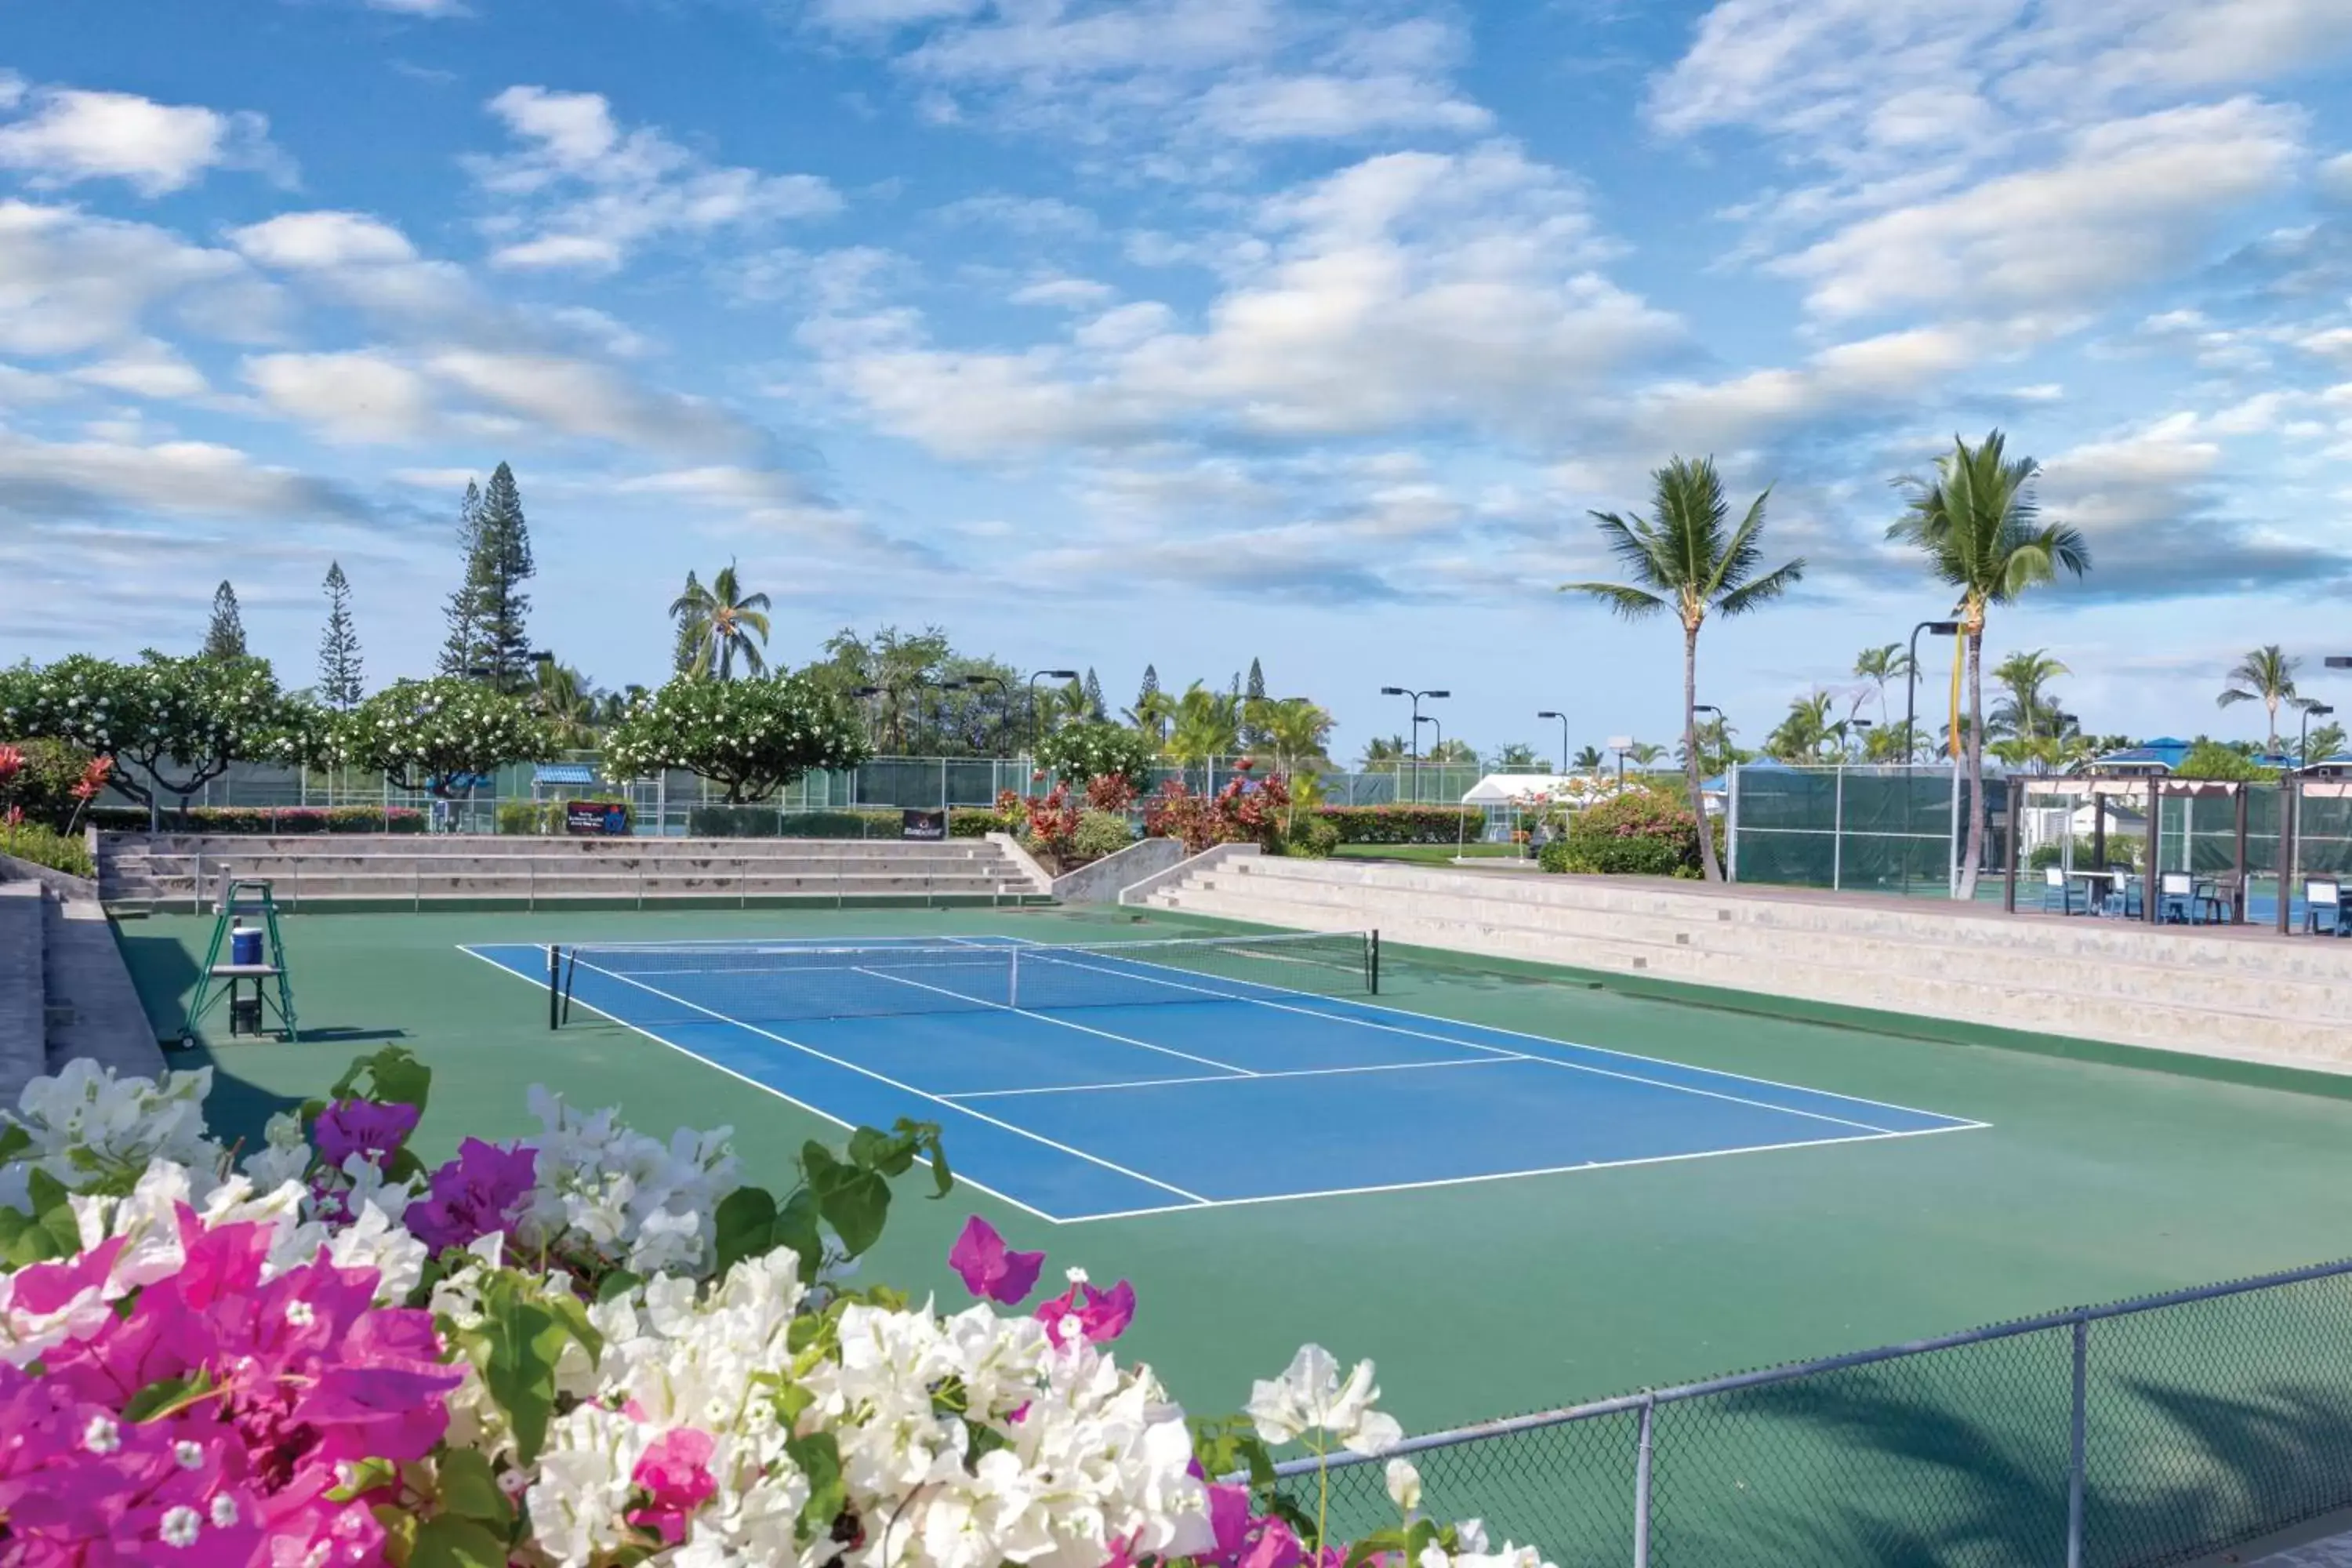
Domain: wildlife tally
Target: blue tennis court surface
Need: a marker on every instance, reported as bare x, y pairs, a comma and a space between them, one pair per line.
1110, 1082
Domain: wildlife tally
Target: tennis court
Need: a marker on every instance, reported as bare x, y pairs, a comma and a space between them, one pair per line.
1118, 1079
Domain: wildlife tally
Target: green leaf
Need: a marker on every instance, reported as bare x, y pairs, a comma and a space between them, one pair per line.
14, 1141
744, 1224
521, 1339
366, 1477
24, 1241
165, 1394
854, 1202
881, 1151
616, 1284
452, 1542
819, 1458
796, 1227
469, 1489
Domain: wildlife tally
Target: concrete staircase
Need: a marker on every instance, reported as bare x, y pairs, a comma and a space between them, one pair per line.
181, 871
2231, 993
64, 991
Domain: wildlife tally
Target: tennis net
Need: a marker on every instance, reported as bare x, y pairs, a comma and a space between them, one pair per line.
752, 982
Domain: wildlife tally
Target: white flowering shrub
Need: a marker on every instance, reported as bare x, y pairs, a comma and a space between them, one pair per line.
421, 734
167, 725
751, 737
593, 1349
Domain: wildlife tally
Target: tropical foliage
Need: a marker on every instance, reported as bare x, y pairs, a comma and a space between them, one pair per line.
1980, 528
590, 1348
1091, 750
750, 737
1640, 832
1684, 559
2265, 674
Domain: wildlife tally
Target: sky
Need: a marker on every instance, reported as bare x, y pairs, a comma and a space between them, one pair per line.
1182, 331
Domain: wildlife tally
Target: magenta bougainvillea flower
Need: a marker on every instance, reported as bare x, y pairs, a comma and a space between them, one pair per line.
480, 1190
991, 1270
674, 1477
362, 1127
1097, 1316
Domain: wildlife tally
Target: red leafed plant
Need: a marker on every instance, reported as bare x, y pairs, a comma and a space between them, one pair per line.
1045, 824
1246, 811
1109, 792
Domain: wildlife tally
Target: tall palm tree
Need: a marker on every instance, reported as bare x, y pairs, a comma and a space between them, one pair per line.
1981, 530
1681, 558
2266, 675
2025, 674
1588, 760
1390, 748
717, 623
1881, 665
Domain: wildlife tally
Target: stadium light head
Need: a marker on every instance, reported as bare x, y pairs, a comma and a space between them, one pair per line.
2339, 661
1400, 691
2319, 709
1547, 713
1061, 675
1437, 694
1941, 629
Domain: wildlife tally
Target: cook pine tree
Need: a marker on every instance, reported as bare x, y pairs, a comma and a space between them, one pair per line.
339, 645
490, 637
225, 639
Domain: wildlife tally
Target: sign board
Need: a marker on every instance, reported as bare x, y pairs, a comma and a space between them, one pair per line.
932, 824
607, 818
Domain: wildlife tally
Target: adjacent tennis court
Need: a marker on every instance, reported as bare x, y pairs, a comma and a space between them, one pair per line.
1115, 1079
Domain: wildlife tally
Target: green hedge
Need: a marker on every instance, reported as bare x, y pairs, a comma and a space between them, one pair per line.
266, 819
1404, 824
1642, 833
41, 846
1314, 837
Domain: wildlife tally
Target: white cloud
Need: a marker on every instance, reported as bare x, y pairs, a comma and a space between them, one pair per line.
582, 193
73, 135
70, 282
1409, 290
305, 240
358, 397
149, 368
435, 8
2336, 177
2129, 201
571, 396
184, 478
1285, 108
1068, 293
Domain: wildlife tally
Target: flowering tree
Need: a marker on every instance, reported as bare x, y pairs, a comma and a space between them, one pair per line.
592, 1349
166, 726
433, 734
1085, 751
752, 737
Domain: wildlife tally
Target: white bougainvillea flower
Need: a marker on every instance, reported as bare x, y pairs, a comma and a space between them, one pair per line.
1309, 1397
1404, 1485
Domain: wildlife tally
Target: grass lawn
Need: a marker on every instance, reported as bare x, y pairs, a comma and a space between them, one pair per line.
1428, 854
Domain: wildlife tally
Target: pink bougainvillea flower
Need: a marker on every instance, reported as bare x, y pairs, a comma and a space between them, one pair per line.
674, 1477
1271, 1545
1099, 1316
1229, 1522
478, 1192
363, 1127
989, 1268
1123, 1551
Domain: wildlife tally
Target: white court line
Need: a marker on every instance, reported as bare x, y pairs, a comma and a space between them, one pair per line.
1235, 1078
1958, 1122
1065, 1023
1497, 1050
815, 1110
905, 1087
1516, 1175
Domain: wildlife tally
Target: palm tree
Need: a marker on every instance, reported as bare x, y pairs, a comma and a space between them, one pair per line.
1807, 732
2325, 741
2266, 676
1681, 558
1207, 725
1881, 665
1152, 713
1588, 760
1979, 526
1387, 749
1296, 730
2025, 674
566, 700
717, 623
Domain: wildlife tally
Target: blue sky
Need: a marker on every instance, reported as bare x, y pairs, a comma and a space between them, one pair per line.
1180, 331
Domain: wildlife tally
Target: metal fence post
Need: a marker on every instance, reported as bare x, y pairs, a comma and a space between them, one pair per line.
1952, 863
2076, 1464
1837, 831
1731, 825
1642, 1484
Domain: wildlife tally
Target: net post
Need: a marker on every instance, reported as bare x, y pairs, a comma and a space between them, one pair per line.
1372, 963
570, 970
554, 978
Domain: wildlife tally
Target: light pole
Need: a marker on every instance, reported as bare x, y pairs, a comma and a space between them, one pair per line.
1036, 731
1003, 698
1547, 713
1417, 696
2303, 747
1621, 744
1437, 751
1911, 683
1862, 725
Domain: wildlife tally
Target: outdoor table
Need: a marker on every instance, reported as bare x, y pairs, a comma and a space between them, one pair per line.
2094, 892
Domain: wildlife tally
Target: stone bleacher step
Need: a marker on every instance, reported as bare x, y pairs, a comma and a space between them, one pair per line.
2206, 1029
2018, 967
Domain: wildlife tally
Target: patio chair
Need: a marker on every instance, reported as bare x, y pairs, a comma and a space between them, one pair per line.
2058, 892
2176, 893
2324, 896
2126, 896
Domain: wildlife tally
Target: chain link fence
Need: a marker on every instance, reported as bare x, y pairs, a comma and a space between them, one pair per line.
2160, 1430
1891, 829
